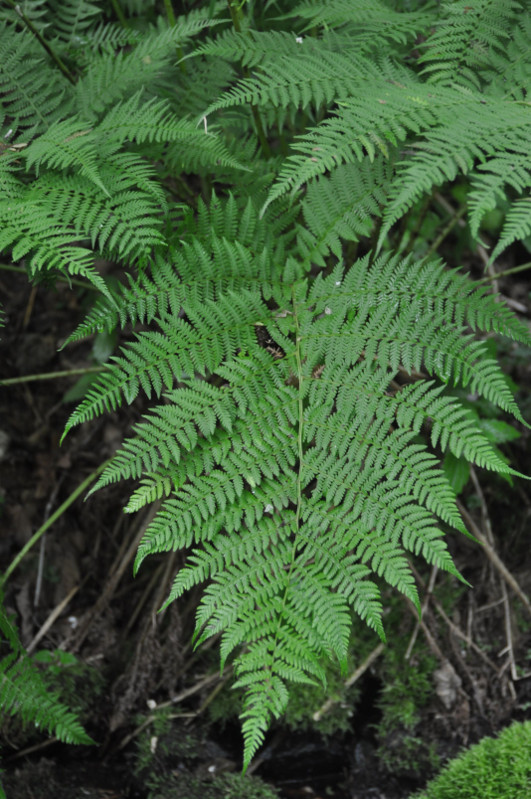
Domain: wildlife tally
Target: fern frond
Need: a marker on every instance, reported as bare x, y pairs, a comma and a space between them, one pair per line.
28, 231
66, 143
32, 94
250, 48
464, 38
72, 19
290, 519
342, 208
310, 78
112, 76
180, 349
490, 182
230, 248
370, 22
375, 119
509, 72
302, 399
451, 425
23, 692
478, 129
124, 224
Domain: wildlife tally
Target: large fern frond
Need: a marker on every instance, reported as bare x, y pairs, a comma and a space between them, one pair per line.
340, 470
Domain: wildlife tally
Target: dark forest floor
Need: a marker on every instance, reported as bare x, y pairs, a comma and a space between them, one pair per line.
75, 592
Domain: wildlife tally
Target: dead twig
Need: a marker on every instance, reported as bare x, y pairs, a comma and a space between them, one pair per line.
494, 558
56, 612
433, 576
509, 638
457, 630
354, 677
198, 686
122, 560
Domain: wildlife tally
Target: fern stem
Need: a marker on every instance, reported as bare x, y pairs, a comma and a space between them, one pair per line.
235, 13
173, 22
72, 281
444, 233
170, 13
13, 381
300, 453
300, 429
120, 14
512, 271
51, 52
53, 518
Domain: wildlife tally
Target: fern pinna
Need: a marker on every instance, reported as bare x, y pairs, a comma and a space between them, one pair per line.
300, 358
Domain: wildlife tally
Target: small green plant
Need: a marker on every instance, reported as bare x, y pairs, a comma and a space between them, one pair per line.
406, 688
25, 695
77, 683
170, 763
496, 768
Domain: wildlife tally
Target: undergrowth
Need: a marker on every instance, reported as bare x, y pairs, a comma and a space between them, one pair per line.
266, 178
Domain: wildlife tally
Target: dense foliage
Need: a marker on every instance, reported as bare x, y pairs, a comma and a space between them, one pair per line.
246, 165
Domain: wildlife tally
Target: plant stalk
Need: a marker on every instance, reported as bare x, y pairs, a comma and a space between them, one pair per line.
51, 52
53, 518
13, 381
235, 13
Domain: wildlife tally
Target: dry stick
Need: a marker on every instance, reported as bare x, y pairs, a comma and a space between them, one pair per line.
354, 677
509, 638
483, 505
30, 749
495, 559
143, 599
507, 615
513, 271
29, 307
48, 523
172, 23
56, 612
432, 643
212, 695
120, 14
429, 592
457, 630
116, 573
42, 547
434, 246
183, 695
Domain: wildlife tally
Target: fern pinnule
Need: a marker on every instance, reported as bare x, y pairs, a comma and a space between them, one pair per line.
517, 224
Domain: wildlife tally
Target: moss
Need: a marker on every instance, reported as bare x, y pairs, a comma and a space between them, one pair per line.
496, 768
403, 748
226, 786
172, 763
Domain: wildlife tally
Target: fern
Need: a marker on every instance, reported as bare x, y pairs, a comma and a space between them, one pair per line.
302, 366
24, 694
